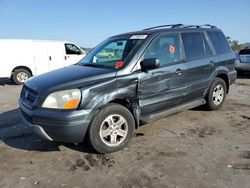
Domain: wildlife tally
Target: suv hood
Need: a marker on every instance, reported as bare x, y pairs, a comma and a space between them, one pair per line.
74, 76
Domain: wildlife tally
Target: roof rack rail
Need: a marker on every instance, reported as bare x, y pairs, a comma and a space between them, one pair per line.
200, 26
181, 26
170, 25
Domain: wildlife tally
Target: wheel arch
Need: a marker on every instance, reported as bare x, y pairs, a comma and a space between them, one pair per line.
224, 77
22, 67
132, 106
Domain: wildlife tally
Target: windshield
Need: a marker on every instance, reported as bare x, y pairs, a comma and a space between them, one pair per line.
110, 53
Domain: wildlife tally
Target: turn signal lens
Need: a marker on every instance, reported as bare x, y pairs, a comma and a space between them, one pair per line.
71, 104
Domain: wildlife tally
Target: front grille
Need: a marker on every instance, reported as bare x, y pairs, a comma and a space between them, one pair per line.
28, 96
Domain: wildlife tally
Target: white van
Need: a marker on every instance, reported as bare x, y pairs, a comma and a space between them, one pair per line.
21, 59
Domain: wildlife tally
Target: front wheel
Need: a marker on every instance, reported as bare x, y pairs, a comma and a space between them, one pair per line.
111, 129
216, 94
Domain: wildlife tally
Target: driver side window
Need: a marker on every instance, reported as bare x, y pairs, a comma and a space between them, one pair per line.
165, 48
71, 49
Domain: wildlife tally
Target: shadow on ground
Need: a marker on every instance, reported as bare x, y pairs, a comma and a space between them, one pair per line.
16, 134
6, 81
243, 75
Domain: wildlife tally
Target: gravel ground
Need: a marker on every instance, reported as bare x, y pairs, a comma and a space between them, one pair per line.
195, 148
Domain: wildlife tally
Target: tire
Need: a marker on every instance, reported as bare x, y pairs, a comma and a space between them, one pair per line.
105, 135
19, 76
217, 94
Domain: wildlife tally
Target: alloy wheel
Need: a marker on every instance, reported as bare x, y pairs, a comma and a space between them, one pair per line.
113, 130
218, 94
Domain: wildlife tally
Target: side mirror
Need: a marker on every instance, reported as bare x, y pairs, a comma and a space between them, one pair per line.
151, 63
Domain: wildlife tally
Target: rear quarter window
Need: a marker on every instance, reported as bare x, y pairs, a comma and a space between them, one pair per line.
219, 42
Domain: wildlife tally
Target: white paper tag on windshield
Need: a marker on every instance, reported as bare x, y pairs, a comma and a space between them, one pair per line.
138, 37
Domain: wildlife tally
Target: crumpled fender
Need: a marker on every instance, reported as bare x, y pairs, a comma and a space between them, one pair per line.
120, 88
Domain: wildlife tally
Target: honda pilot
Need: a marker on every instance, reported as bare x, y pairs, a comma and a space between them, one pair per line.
151, 74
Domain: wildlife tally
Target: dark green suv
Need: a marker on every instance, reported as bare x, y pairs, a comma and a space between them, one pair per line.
153, 73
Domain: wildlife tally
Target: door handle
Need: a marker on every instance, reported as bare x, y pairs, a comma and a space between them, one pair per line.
211, 63
65, 57
178, 72
50, 58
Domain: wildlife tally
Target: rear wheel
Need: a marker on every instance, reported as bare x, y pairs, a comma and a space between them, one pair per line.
216, 94
19, 76
111, 129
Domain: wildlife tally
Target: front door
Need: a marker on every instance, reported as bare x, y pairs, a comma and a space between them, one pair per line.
164, 87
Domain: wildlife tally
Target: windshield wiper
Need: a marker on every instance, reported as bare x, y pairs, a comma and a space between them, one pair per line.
96, 65
90, 65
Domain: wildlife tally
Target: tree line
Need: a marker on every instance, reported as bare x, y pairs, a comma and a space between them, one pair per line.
236, 45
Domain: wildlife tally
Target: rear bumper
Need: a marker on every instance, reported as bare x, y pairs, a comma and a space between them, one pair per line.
60, 126
242, 66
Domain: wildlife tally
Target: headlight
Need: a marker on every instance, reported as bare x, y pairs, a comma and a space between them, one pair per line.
68, 99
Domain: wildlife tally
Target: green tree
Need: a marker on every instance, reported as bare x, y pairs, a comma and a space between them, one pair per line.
235, 45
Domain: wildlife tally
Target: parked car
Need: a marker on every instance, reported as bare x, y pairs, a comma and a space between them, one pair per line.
243, 60
161, 71
21, 59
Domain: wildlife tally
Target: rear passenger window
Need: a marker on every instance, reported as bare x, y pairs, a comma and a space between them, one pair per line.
165, 48
193, 45
219, 41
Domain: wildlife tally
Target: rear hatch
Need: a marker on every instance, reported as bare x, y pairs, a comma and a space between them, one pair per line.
244, 56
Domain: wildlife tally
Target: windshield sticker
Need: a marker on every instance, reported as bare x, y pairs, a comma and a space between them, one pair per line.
138, 37
119, 64
171, 49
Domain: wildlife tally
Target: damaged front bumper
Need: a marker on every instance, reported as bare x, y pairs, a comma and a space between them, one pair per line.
60, 126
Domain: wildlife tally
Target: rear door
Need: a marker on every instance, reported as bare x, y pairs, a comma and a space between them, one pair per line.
199, 63
73, 54
40, 55
55, 55
163, 87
